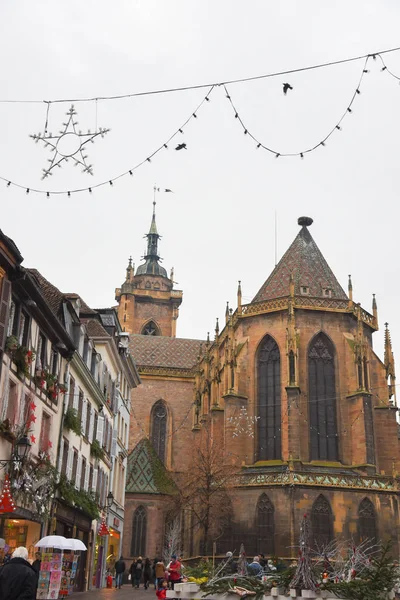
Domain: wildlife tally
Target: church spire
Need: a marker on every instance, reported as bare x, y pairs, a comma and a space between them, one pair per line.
389, 363
152, 265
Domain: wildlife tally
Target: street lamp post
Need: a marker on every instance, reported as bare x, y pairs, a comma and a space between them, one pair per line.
19, 453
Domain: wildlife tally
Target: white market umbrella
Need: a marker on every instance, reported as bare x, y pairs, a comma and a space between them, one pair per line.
51, 541
73, 544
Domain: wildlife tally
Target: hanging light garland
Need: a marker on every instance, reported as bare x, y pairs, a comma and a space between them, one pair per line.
182, 145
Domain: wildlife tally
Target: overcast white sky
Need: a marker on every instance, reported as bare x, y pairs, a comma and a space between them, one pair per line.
218, 227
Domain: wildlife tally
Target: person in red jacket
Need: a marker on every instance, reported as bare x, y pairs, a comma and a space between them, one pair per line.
161, 592
175, 575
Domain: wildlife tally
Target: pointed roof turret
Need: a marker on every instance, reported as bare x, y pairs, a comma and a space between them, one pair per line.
152, 258
311, 273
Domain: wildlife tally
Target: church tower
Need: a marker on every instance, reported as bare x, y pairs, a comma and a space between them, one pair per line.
147, 302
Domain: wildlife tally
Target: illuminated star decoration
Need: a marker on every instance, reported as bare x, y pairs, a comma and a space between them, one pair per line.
243, 423
68, 144
33, 439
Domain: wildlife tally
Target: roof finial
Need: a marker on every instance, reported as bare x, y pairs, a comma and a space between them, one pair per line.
216, 329
227, 312
239, 298
305, 221
375, 309
130, 262
350, 291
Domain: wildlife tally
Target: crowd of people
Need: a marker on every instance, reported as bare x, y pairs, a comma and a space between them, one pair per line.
143, 570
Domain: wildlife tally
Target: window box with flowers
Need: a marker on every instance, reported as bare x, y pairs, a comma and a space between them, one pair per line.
96, 450
20, 355
72, 421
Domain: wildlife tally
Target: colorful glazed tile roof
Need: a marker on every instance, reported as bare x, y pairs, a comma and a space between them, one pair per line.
146, 473
309, 268
162, 351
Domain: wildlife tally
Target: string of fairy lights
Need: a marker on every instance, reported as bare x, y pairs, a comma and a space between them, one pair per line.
79, 158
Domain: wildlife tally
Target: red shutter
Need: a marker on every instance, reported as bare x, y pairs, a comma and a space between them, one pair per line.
4, 310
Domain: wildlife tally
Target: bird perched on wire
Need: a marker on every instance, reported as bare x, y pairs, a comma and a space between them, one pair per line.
181, 147
286, 88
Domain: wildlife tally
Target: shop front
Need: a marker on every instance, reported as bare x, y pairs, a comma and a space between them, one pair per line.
19, 532
73, 523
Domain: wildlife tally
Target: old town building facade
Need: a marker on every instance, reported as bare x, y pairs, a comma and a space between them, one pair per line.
292, 390
66, 383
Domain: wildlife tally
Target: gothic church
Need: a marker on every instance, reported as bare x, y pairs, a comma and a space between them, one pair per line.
297, 364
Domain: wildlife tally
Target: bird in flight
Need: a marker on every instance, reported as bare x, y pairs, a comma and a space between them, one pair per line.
286, 88
181, 147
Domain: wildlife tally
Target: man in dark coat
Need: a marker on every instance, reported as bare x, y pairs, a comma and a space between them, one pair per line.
120, 569
18, 581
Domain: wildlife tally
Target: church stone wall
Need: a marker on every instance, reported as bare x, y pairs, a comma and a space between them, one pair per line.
178, 397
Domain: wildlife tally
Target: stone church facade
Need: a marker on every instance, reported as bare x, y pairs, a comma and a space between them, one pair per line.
290, 386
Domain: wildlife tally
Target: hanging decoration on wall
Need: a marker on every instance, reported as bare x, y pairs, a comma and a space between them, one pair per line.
103, 529
68, 144
243, 423
6, 502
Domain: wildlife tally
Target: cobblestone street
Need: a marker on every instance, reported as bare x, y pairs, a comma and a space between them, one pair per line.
127, 592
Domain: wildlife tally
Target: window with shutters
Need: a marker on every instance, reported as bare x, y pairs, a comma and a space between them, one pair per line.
9, 406
24, 407
11, 316
159, 417
80, 404
54, 361
83, 474
5, 298
71, 392
88, 408
139, 530
322, 399
265, 525
269, 400
90, 482
65, 458
23, 329
45, 432
74, 465
99, 428
41, 353
367, 529
321, 522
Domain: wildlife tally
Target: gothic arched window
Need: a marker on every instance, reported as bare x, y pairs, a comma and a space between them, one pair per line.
321, 522
322, 399
367, 529
138, 544
159, 417
265, 525
150, 328
269, 400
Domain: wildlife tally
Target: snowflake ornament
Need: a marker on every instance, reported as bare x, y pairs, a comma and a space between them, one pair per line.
243, 423
68, 144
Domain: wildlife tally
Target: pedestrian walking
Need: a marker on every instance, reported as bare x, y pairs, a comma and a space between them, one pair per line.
132, 573
160, 573
36, 563
146, 573
18, 580
139, 571
120, 569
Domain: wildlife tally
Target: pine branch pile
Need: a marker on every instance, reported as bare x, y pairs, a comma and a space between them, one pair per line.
304, 577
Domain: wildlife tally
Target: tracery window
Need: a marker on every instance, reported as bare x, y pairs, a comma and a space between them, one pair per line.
159, 417
265, 525
139, 530
322, 399
150, 328
269, 400
321, 522
367, 529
